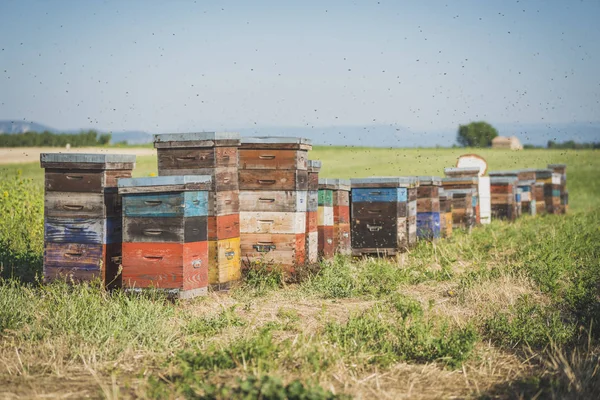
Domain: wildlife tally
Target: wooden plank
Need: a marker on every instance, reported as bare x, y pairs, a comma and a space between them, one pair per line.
428, 192
82, 230
313, 201
326, 242
379, 209
325, 216
313, 181
223, 227
81, 205
164, 229
74, 181
165, 265
272, 222
342, 242
312, 246
81, 261
385, 182
374, 233
341, 198
287, 250
341, 215
312, 223
325, 197
275, 143
176, 204
112, 177
190, 158
342, 185
379, 195
273, 159
224, 261
273, 180
223, 179
274, 201
428, 205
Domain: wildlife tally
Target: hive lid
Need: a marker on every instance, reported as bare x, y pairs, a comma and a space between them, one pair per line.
195, 139
552, 166
276, 140
87, 161
462, 171
165, 183
543, 173
430, 181
467, 180
454, 192
334, 184
503, 173
503, 180
385, 181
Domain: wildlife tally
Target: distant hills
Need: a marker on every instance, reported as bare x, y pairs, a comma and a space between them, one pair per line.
368, 135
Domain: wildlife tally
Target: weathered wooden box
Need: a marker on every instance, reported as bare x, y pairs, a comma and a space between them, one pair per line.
82, 215
504, 197
312, 212
165, 239
543, 177
462, 208
428, 208
445, 213
383, 215
339, 191
466, 182
527, 187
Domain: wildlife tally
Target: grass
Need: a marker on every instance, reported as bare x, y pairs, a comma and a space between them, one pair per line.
509, 310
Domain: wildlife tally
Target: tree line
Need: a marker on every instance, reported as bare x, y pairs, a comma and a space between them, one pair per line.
49, 139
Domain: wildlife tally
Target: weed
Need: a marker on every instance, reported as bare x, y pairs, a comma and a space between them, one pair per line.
261, 278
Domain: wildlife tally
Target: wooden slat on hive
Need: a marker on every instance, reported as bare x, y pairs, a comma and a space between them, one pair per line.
81, 205
273, 222
273, 180
223, 226
164, 229
164, 204
273, 159
273, 200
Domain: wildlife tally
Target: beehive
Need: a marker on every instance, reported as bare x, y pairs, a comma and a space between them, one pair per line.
527, 187
543, 177
504, 200
312, 215
215, 154
518, 176
462, 208
82, 215
445, 213
339, 191
274, 171
165, 234
383, 215
428, 208
454, 182
559, 188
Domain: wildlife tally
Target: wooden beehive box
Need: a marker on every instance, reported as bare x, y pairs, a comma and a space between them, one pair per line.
82, 215
466, 182
504, 200
383, 215
527, 187
543, 179
215, 154
340, 193
559, 184
275, 231
445, 213
428, 208
165, 234
462, 208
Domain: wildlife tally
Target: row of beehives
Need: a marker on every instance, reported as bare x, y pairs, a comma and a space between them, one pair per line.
222, 202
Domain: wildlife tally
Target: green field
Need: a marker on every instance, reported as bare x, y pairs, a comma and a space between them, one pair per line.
509, 311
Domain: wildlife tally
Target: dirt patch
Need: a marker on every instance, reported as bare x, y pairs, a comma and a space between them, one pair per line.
18, 155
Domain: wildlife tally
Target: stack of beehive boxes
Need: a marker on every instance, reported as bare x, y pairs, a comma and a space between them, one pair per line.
462, 208
559, 188
543, 181
383, 215
274, 190
527, 185
428, 208
504, 200
561, 169
165, 232
213, 154
445, 213
82, 211
312, 208
466, 179
334, 193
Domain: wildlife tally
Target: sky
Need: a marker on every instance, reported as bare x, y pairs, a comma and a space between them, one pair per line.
176, 66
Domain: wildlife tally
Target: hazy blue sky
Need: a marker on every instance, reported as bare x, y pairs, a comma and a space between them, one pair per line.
191, 65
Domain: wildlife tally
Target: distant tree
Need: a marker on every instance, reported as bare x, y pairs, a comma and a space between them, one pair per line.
476, 134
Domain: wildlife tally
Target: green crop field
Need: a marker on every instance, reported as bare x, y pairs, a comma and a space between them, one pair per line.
510, 311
